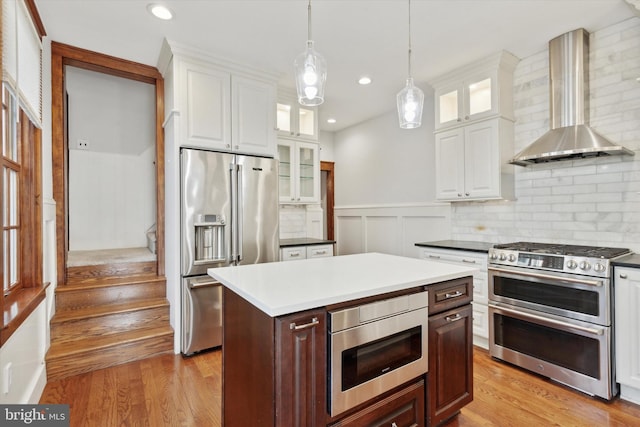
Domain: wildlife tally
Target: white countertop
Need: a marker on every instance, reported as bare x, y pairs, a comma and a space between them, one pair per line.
280, 288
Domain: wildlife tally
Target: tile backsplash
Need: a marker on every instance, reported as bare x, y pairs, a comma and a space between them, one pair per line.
588, 201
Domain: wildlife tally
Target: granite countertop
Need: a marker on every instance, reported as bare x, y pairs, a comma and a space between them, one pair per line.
632, 261
279, 288
305, 241
466, 245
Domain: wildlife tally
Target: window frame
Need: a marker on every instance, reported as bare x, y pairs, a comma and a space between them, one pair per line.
19, 300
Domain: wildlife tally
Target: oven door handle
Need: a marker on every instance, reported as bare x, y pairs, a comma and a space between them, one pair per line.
545, 321
596, 283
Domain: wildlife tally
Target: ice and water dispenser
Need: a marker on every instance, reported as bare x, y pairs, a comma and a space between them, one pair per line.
210, 230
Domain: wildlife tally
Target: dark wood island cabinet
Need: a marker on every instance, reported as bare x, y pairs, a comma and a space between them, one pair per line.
450, 349
275, 357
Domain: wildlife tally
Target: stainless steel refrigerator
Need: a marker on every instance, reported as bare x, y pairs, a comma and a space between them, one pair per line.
229, 216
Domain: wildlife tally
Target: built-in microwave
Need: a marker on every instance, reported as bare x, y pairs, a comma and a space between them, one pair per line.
376, 347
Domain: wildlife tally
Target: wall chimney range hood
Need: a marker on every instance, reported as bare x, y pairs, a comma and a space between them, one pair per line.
570, 135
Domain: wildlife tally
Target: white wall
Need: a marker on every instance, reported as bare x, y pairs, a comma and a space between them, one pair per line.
111, 183
377, 163
588, 201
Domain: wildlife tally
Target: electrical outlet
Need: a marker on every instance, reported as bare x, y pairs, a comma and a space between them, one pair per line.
83, 144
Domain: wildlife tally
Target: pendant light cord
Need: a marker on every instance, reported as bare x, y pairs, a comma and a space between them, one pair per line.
409, 37
309, 21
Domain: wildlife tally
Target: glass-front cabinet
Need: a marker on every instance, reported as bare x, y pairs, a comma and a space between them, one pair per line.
478, 91
299, 171
295, 121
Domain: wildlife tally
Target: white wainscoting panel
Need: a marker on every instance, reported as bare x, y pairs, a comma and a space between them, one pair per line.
390, 229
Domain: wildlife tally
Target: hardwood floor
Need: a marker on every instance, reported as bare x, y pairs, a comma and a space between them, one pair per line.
170, 390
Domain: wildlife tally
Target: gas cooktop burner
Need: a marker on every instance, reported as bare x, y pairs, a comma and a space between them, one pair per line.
568, 250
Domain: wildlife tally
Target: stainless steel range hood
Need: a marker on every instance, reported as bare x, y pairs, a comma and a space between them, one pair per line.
570, 135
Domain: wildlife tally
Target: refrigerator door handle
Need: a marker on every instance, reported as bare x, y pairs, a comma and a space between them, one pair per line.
240, 217
234, 213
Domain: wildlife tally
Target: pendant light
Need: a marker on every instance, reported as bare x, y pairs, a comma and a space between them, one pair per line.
310, 71
411, 98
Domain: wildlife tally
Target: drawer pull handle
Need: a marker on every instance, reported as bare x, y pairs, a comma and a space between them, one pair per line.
294, 254
320, 252
623, 276
469, 261
453, 318
434, 256
311, 324
456, 294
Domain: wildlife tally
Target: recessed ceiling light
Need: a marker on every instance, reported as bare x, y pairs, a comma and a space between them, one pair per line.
332, 121
364, 80
160, 11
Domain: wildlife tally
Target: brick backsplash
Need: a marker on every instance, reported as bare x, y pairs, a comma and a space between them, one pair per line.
588, 201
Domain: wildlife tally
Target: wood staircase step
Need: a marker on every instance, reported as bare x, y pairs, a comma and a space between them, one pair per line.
70, 325
127, 269
66, 359
100, 292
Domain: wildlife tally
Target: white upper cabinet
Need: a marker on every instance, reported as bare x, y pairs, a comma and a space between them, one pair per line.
296, 121
474, 131
299, 171
219, 106
477, 91
471, 162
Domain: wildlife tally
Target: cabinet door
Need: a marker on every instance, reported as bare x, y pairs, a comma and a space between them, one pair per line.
294, 121
301, 361
308, 172
450, 363
627, 318
253, 119
287, 171
448, 105
207, 107
481, 160
404, 408
450, 165
479, 96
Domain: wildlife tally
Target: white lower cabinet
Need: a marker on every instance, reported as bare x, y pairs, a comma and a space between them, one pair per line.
480, 286
292, 253
627, 332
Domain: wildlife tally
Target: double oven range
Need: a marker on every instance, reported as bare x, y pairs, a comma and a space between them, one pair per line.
551, 312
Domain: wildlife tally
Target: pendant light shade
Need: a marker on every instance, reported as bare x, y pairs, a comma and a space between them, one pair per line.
310, 70
411, 98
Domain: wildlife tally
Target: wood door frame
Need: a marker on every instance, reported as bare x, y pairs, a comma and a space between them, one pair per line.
61, 55
329, 168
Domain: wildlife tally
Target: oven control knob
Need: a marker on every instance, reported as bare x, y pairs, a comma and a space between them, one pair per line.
572, 264
584, 265
503, 257
599, 268
493, 256
512, 257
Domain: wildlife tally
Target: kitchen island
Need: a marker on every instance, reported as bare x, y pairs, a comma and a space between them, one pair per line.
275, 363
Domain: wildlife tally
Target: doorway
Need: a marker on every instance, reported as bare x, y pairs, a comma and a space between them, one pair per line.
100, 171
327, 196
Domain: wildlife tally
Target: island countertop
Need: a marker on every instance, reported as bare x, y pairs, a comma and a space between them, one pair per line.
280, 288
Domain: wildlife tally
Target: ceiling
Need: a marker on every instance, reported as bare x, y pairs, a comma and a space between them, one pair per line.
356, 37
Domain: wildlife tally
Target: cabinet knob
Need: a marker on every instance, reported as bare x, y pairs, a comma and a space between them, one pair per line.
466, 117
459, 194
623, 276
228, 145
466, 194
